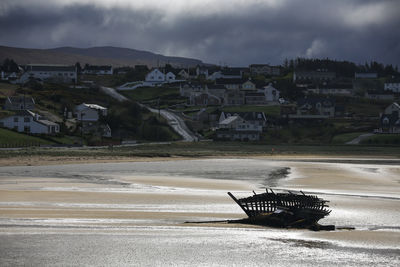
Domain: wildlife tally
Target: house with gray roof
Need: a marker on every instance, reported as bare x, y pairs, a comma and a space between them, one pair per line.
90, 116
237, 128
29, 122
255, 118
98, 70
314, 108
49, 73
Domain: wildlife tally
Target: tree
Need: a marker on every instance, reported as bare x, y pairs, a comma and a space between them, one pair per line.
78, 68
10, 66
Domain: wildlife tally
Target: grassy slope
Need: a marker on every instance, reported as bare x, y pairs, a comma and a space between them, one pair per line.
382, 139
149, 93
8, 137
343, 138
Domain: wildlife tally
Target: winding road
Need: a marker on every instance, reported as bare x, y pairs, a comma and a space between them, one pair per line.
177, 124
114, 94
173, 120
358, 139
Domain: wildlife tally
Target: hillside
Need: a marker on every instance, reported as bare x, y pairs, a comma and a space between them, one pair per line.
115, 56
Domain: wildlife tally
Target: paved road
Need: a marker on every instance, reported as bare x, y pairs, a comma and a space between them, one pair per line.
358, 139
173, 120
114, 94
177, 124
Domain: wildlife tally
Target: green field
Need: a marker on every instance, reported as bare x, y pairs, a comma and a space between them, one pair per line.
149, 93
10, 138
343, 138
382, 139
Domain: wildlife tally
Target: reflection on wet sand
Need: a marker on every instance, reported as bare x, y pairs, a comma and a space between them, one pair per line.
139, 209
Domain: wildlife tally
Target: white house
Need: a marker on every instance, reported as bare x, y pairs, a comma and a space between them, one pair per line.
236, 128
393, 87
227, 73
258, 119
56, 73
184, 74
89, 112
170, 77
271, 94
230, 122
392, 108
156, 76
239, 124
89, 115
390, 119
29, 122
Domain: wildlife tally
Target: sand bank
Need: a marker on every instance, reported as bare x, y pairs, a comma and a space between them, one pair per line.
362, 195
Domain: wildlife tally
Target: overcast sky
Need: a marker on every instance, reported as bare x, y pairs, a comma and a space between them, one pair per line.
233, 32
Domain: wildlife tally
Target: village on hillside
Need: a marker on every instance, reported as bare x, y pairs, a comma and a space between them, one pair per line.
304, 101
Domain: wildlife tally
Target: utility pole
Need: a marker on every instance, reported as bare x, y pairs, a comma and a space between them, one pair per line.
158, 102
82, 114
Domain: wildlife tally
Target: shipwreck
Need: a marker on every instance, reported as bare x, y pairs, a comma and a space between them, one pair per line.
286, 210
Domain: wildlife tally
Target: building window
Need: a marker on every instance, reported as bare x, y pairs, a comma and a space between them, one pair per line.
15, 119
27, 119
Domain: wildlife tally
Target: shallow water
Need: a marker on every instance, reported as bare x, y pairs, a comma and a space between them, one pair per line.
188, 246
153, 241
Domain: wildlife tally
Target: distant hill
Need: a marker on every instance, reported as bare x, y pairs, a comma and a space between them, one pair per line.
106, 55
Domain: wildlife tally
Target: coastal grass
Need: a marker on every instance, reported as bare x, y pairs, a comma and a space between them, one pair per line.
7, 89
346, 137
10, 138
382, 139
207, 149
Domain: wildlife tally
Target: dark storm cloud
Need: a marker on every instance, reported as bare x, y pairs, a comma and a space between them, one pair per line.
358, 30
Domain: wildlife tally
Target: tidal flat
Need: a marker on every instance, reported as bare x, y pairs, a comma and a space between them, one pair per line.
134, 213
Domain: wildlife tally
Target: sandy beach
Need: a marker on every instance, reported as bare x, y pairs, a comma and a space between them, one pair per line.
50, 198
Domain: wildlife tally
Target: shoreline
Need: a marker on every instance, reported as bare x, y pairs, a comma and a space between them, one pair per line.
39, 160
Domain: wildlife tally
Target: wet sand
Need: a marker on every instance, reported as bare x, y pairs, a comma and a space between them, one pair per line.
364, 196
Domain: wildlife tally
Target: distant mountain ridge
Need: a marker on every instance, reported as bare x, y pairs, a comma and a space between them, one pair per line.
105, 55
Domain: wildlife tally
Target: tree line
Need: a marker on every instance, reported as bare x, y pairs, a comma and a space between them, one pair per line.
342, 68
